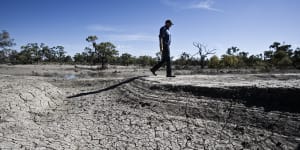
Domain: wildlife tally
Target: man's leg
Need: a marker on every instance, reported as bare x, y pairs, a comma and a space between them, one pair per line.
168, 63
159, 64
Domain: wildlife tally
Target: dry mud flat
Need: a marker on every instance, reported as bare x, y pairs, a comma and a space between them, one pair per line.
188, 112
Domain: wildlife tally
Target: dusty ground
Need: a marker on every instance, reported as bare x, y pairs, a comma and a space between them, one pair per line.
229, 111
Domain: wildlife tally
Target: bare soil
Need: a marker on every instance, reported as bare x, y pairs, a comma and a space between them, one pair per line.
63, 107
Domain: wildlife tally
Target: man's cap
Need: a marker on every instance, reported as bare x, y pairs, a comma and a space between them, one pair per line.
169, 21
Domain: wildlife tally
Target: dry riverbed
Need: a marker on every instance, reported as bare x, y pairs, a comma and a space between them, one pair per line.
63, 107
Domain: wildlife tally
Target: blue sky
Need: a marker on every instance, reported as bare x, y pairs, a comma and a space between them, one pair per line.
133, 25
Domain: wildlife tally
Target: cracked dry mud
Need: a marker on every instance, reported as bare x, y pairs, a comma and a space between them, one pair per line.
146, 113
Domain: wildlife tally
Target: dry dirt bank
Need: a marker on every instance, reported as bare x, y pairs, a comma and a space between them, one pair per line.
144, 113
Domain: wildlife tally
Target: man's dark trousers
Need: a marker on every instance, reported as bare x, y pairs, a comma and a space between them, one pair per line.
165, 59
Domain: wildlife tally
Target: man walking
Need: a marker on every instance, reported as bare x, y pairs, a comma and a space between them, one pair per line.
164, 44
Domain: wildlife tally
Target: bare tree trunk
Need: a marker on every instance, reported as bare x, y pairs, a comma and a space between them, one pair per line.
102, 63
203, 52
202, 63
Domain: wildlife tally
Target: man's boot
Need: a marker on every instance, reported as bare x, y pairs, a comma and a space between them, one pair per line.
153, 72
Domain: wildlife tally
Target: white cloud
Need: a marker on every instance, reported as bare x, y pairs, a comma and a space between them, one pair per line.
102, 28
191, 4
132, 37
206, 4
115, 34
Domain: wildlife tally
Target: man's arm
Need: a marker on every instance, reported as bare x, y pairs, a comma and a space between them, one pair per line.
161, 44
161, 38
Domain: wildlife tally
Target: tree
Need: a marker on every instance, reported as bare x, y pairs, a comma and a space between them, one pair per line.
85, 57
254, 60
5, 40
105, 52
214, 62
243, 59
59, 53
68, 59
282, 59
26, 54
79, 58
37, 53
126, 59
184, 59
229, 61
296, 58
281, 56
46, 54
284, 62
232, 50
203, 51
30, 54
92, 39
146, 61
287, 49
13, 57
268, 55
5, 54
274, 46
5, 44
90, 57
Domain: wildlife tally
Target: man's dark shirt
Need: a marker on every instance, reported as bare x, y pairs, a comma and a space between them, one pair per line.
165, 35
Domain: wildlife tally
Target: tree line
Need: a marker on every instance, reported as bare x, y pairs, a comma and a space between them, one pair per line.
105, 53
279, 55
39, 53
32, 53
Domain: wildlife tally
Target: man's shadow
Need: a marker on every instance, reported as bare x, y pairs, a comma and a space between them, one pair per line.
108, 88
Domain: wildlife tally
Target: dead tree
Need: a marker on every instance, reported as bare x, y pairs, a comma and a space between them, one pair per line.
203, 52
